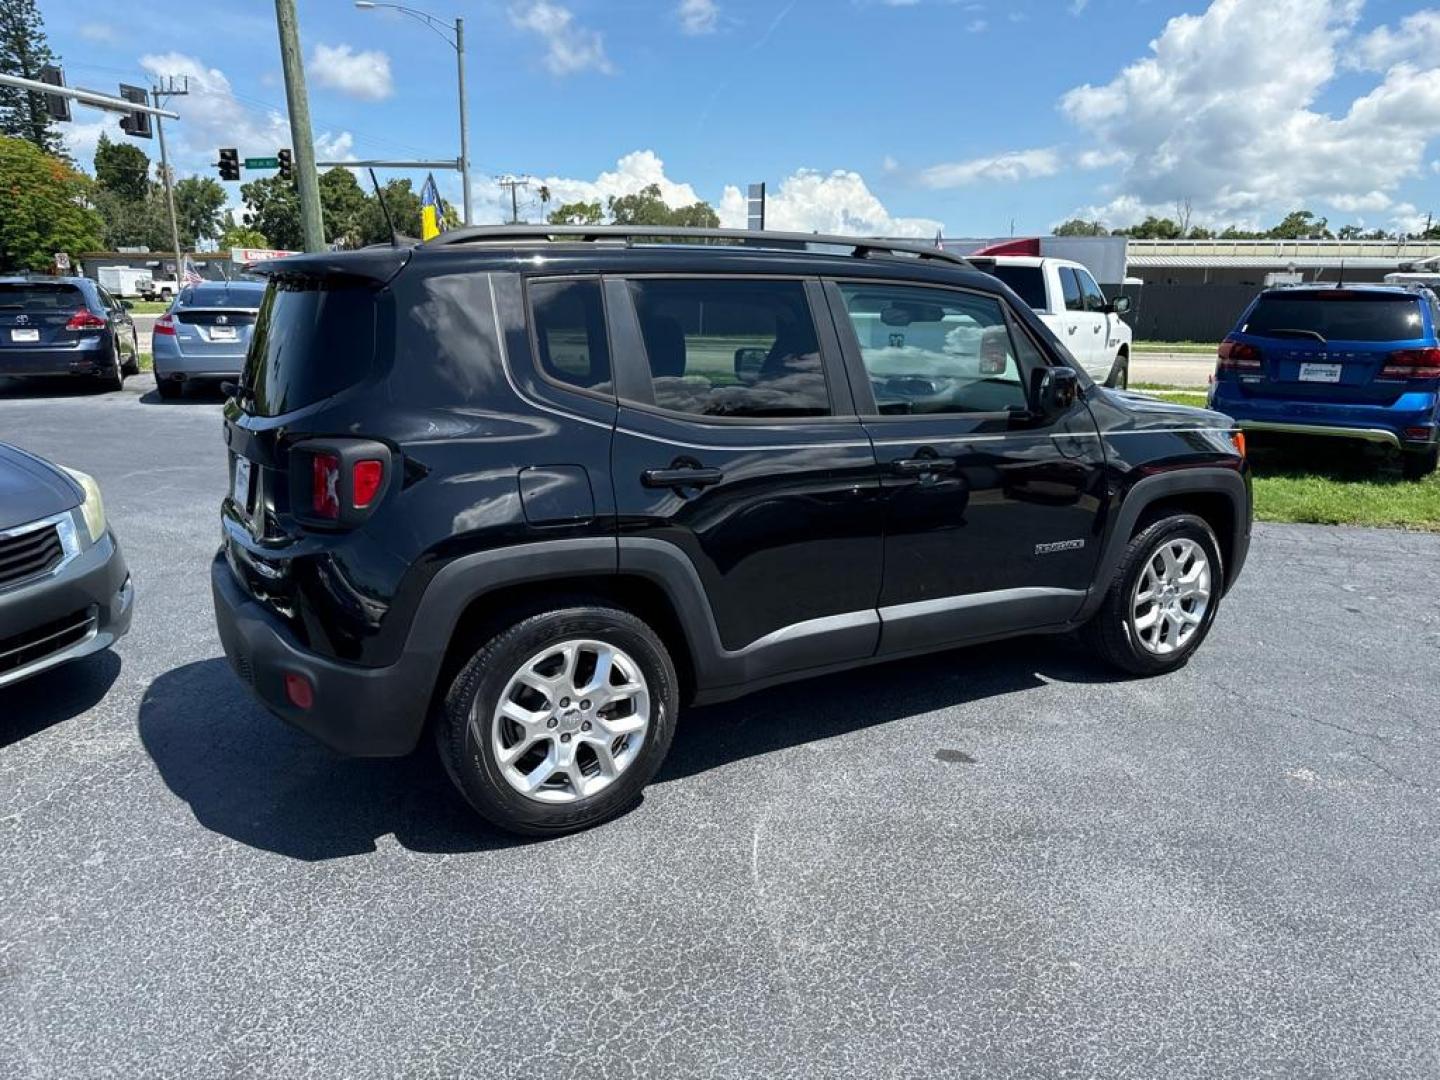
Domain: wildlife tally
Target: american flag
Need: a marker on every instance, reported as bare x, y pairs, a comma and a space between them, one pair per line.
192, 276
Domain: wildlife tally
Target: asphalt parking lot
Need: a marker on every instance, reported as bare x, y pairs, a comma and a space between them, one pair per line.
996, 862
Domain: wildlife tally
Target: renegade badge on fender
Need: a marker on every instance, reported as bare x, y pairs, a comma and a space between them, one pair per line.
539, 487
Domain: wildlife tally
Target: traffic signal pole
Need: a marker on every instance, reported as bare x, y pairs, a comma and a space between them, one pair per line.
301, 138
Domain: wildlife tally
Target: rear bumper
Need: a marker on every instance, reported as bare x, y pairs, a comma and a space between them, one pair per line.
1386, 425
360, 711
86, 360
170, 363
35, 619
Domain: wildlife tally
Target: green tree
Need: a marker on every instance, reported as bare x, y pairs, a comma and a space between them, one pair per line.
132, 222
578, 213
342, 207
122, 168
24, 50
1200, 232
1234, 232
1301, 225
242, 236
404, 205
273, 208
43, 208
646, 207
1153, 228
1079, 227
198, 202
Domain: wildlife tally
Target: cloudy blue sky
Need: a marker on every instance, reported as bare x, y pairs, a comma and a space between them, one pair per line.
891, 116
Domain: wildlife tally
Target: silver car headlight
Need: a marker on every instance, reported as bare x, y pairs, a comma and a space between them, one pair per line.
92, 510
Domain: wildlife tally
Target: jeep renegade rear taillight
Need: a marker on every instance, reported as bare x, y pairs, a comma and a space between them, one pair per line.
337, 482
1238, 356
1412, 364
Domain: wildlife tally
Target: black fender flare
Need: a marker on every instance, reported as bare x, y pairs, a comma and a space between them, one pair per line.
1198, 480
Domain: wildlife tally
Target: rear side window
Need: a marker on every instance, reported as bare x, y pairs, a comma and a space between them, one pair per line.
1336, 316
40, 297
1027, 281
729, 347
1070, 287
570, 342
312, 339
934, 350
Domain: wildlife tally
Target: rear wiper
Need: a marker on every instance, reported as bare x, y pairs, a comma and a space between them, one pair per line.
1289, 332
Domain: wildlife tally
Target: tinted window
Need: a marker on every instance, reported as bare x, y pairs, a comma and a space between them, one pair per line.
569, 320
731, 347
312, 339
933, 350
220, 296
1093, 297
40, 297
1027, 281
1070, 287
1337, 316
106, 299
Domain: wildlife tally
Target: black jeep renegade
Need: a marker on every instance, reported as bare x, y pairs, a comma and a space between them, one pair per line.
536, 490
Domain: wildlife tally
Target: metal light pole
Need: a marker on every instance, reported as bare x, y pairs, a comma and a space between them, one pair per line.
155, 93
457, 42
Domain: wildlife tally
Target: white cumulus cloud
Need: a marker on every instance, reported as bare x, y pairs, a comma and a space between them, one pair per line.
1009, 166
364, 75
1416, 38
1223, 112
569, 47
698, 16
834, 202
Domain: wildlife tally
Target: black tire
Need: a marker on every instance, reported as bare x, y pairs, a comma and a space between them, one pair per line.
114, 379
169, 389
472, 763
132, 366
1110, 632
1120, 373
1418, 464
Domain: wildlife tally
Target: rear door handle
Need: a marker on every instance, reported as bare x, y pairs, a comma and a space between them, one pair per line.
922, 466
681, 478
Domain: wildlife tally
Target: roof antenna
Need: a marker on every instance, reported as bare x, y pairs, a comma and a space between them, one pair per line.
1341, 283
389, 221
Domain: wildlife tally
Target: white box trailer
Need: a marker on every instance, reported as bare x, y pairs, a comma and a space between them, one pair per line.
123, 281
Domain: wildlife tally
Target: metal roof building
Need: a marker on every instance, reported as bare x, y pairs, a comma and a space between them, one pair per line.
1246, 262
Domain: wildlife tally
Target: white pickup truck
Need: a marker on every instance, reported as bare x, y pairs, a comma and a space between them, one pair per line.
1065, 296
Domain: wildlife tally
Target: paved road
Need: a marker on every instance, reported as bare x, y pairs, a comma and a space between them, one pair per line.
1173, 369
1001, 862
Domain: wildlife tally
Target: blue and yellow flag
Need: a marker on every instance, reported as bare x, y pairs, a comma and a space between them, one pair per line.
432, 212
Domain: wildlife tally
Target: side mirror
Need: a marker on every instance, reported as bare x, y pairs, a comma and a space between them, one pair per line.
1056, 389
127, 305
749, 362
1120, 305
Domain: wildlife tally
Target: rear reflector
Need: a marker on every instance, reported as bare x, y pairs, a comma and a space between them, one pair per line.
1412, 364
325, 486
365, 480
85, 319
165, 325
299, 690
1238, 356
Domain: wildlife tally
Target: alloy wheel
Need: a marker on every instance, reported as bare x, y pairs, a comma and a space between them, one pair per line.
1171, 596
570, 721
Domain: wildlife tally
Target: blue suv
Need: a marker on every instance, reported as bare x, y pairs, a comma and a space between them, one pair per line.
1354, 361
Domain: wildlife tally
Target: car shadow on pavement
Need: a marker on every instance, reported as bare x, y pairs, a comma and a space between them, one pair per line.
52, 697
248, 776
60, 386
810, 711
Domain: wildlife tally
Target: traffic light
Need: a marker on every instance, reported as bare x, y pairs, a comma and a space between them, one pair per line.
137, 124
287, 164
229, 164
57, 106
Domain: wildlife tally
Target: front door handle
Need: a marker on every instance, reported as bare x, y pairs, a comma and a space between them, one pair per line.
922, 466
689, 476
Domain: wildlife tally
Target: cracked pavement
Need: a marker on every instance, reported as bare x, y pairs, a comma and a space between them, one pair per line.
1000, 862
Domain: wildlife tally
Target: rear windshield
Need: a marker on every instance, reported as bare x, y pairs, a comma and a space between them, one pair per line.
312, 339
40, 297
221, 296
1027, 281
1352, 316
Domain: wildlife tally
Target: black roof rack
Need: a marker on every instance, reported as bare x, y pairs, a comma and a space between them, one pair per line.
860, 246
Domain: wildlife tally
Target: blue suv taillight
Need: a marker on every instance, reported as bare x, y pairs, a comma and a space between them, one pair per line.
1237, 356
1412, 364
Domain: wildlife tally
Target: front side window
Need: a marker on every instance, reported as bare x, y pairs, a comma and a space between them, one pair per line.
1094, 298
731, 347
1070, 287
934, 350
569, 320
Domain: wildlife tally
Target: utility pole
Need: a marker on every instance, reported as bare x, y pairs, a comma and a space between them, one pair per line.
300, 135
514, 183
464, 117
168, 90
